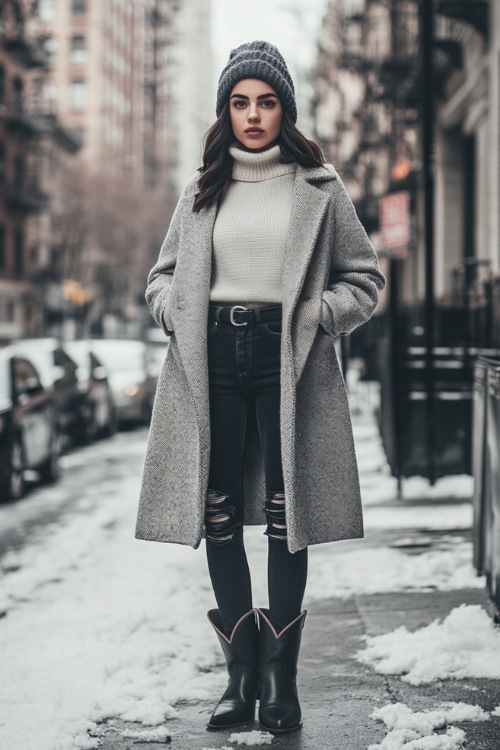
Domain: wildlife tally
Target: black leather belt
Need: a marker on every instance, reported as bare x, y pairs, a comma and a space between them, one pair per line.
242, 316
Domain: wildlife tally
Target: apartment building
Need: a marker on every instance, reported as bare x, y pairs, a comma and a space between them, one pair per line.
32, 150
192, 86
369, 115
95, 79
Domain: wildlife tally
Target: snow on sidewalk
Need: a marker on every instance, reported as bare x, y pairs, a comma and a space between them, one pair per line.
415, 730
100, 625
465, 644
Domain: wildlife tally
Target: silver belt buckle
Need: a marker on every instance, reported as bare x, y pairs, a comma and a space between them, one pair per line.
231, 315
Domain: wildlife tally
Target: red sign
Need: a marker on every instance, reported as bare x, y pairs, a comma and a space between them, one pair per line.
395, 221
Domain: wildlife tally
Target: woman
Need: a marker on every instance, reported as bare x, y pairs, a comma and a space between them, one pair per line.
264, 263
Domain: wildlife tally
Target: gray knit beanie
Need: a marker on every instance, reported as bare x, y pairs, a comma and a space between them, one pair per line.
257, 60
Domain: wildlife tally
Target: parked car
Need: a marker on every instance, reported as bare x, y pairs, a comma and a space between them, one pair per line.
57, 372
157, 344
93, 383
132, 374
29, 434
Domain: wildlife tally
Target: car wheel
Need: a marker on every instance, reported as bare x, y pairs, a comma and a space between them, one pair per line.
14, 485
85, 431
49, 471
111, 426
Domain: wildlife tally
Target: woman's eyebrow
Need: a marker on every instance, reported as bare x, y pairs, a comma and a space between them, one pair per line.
261, 96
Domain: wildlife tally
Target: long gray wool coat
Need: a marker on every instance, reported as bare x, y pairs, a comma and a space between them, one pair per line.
330, 286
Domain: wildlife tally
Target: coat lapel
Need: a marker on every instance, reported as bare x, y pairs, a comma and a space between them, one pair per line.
192, 275
308, 210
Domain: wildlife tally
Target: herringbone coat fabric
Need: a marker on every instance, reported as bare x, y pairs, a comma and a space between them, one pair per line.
330, 285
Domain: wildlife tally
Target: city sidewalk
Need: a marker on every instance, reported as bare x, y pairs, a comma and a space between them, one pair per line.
412, 569
105, 643
339, 693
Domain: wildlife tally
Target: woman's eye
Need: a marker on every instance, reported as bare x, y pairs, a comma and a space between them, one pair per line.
238, 102
269, 102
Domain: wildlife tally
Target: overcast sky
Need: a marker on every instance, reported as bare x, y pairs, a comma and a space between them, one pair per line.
291, 25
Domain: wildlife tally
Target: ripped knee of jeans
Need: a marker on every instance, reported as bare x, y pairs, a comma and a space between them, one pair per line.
275, 513
221, 526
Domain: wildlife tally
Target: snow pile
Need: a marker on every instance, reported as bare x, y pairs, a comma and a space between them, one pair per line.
440, 516
414, 730
361, 569
160, 734
465, 644
101, 625
456, 486
254, 737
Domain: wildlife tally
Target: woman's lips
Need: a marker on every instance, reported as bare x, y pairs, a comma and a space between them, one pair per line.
254, 132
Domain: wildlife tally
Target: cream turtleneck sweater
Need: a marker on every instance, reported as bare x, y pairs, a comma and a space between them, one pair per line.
251, 228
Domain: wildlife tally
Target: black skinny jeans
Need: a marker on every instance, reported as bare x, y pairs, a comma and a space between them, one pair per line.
244, 373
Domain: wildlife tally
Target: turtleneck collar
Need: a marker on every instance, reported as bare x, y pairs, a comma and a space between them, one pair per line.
254, 166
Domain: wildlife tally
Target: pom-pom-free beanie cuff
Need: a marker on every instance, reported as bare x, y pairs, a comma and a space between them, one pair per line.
261, 60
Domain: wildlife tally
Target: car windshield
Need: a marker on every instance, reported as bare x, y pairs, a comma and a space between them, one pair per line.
43, 359
4, 378
121, 357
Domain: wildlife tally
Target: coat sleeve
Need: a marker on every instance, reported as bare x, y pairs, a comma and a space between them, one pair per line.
355, 278
160, 276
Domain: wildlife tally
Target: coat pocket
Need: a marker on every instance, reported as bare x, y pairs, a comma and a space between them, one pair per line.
166, 319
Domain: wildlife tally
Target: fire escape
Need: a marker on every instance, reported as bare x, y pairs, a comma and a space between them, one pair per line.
23, 128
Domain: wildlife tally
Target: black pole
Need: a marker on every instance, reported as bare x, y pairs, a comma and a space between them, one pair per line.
397, 388
427, 33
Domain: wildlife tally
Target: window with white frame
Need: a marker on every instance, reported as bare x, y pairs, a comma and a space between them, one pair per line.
79, 7
46, 10
78, 94
78, 49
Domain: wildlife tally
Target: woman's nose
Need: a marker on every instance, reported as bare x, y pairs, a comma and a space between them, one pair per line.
253, 113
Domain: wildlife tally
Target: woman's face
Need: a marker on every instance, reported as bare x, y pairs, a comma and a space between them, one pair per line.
256, 114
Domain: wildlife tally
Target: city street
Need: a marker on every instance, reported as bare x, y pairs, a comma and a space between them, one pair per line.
105, 642
328, 174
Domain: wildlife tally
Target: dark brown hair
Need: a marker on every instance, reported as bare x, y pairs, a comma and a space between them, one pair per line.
216, 171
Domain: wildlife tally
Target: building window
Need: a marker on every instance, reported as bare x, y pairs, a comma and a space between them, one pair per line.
3, 248
18, 252
10, 311
79, 134
18, 171
79, 7
50, 47
18, 95
19, 20
49, 96
78, 49
78, 94
46, 9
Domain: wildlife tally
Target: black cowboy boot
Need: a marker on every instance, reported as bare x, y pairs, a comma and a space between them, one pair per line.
279, 709
241, 650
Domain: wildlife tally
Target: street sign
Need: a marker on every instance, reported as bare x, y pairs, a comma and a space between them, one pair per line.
394, 211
